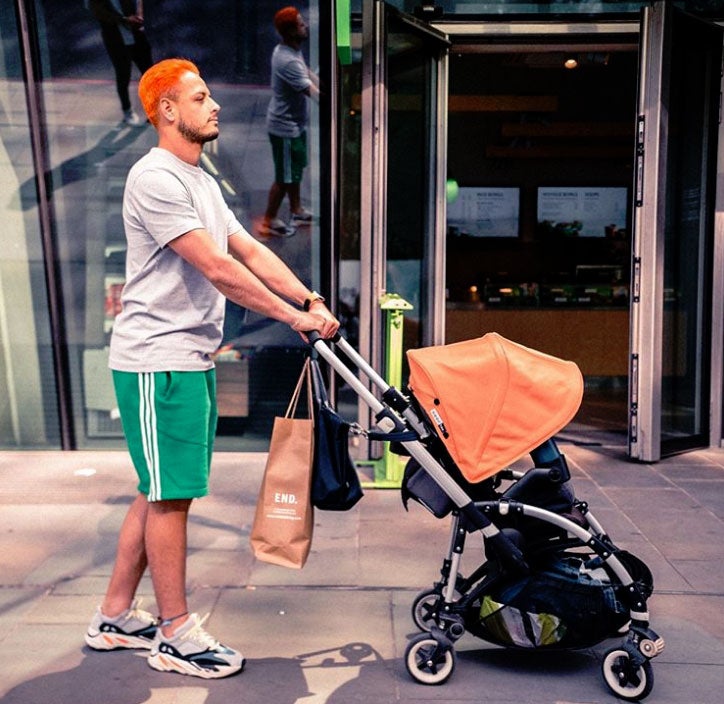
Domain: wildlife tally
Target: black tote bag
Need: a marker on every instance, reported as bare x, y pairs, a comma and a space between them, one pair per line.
335, 482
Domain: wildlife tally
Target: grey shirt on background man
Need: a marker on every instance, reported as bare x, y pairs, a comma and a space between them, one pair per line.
172, 316
287, 114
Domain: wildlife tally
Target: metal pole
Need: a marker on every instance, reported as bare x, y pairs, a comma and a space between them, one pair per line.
393, 307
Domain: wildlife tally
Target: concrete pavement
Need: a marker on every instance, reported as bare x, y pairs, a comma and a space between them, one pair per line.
335, 632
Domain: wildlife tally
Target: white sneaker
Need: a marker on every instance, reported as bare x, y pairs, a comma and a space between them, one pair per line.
193, 651
131, 119
276, 228
303, 217
134, 628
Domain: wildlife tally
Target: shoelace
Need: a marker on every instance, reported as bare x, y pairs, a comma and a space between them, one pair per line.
199, 636
135, 611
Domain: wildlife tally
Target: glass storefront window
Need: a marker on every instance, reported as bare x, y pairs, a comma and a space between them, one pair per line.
28, 406
91, 149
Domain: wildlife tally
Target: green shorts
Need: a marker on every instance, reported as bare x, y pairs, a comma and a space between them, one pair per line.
169, 420
290, 157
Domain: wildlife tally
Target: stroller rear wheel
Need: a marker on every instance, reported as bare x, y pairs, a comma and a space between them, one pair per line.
425, 609
624, 679
428, 661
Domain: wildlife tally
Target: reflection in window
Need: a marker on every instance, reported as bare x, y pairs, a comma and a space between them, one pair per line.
93, 142
28, 412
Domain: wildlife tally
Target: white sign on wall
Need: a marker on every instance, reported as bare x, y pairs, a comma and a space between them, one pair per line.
485, 212
583, 212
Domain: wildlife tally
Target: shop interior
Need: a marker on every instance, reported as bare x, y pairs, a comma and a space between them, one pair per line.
541, 149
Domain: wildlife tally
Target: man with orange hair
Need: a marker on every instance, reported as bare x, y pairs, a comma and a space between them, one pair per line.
292, 83
186, 252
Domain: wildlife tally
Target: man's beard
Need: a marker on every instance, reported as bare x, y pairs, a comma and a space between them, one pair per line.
195, 136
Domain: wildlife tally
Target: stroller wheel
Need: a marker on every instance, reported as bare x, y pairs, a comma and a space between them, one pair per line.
428, 661
624, 679
425, 609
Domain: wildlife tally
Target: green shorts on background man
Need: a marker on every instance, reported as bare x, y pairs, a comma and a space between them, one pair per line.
169, 420
290, 157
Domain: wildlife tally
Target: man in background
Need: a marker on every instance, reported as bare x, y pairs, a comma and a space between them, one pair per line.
292, 84
124, 38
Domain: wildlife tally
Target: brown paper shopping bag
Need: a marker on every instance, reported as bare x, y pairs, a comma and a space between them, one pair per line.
284, 517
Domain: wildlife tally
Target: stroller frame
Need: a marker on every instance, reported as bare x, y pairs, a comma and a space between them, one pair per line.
440, 611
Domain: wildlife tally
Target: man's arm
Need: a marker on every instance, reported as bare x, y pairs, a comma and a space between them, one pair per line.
276, 274
298, 76
260, 289
268, 267
314, 78
313, 91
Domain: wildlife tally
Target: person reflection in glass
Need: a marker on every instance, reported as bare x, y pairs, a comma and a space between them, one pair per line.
292, 83
122, 31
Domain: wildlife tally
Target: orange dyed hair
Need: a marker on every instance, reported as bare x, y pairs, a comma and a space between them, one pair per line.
286, 19
159, 82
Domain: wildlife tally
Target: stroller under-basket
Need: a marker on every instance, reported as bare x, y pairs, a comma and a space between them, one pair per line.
551, 577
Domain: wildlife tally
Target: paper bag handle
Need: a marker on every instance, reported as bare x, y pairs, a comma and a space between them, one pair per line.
292, 407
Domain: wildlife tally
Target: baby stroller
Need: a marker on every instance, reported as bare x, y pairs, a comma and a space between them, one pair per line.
551, 577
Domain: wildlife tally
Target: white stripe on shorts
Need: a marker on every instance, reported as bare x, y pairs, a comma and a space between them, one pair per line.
287, 160
149, 434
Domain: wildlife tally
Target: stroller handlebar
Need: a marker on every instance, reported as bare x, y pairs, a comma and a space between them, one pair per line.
313, 336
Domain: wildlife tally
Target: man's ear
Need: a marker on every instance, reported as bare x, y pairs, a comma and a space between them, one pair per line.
166, 109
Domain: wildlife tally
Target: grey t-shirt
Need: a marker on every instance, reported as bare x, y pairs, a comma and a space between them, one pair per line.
287, 113
172, 316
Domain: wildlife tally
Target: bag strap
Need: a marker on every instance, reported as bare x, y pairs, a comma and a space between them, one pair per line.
320, 388
292, 407
395, 436
322, 398
310, 400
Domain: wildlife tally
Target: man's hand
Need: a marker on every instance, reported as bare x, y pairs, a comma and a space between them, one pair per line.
133, 21
319, 319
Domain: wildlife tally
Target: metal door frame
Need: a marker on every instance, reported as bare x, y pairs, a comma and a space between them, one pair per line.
648, 250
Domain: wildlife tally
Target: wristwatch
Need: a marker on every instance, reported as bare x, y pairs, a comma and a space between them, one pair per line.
314, 296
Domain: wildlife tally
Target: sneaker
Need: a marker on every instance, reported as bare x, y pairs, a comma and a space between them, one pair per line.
303, 217
134, 628
132, 119
276, 228
192, 651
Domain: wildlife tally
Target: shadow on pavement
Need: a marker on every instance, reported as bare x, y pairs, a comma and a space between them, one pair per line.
121, 677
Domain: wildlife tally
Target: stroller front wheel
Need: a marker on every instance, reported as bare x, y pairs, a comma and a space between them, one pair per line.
625, 680
428, 661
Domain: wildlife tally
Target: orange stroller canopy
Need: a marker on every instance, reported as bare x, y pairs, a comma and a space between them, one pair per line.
493, 400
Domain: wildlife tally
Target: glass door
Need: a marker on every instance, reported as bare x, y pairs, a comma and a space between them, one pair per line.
403, 176
416, 77
673, 233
